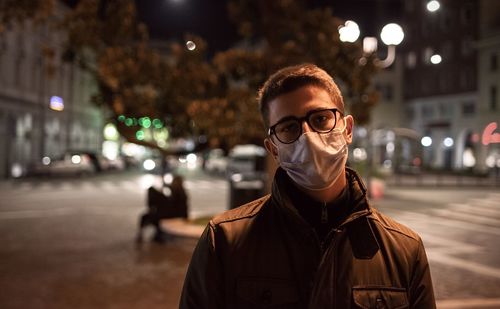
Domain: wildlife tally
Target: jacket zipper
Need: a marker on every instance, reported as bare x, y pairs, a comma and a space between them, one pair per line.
332, 243
324, 214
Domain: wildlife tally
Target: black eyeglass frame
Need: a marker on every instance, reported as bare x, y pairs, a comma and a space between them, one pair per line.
300, 120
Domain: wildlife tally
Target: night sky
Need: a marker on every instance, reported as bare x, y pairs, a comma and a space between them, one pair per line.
171, 19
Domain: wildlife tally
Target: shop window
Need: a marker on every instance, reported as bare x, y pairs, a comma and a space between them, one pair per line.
493, 62
468, 109
493, 98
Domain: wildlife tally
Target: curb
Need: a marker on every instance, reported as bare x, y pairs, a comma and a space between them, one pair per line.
182, 228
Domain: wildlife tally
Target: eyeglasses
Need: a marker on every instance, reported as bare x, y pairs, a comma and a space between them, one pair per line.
289, 129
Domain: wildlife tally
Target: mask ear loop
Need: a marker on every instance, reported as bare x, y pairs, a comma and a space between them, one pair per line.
343, 129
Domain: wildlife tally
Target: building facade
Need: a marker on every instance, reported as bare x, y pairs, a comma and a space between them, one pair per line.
45, 106
450, 80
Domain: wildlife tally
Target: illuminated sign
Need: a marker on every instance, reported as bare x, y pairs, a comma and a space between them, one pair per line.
56, 103
489, 135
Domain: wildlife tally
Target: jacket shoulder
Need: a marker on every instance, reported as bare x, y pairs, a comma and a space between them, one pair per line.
392, 226
245, 211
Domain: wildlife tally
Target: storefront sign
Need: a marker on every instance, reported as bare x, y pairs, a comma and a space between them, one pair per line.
489, 134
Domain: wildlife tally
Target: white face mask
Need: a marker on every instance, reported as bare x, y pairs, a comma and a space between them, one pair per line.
315, 161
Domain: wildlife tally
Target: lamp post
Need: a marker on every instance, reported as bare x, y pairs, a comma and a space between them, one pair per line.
391, 35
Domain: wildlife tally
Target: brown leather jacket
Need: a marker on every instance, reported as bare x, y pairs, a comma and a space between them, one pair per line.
264, 255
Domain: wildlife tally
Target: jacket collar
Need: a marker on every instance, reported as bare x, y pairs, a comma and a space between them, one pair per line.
358, 195
363, 241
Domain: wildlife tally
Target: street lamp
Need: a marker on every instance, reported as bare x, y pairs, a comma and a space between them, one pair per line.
392, 34
426, 141
436, 59
433, 6
190, 45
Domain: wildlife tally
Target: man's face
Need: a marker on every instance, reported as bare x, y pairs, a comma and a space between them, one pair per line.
298, 103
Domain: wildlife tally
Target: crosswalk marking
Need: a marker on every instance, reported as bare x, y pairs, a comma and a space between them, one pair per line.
468, 303
487, 202
467, 217
464, 264
137, 185
482, 216
411, 218
475, 210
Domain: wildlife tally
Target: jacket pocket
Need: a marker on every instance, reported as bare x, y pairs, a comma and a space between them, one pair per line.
379, 297
266, 293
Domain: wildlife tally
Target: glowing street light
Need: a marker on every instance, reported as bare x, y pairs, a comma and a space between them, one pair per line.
190, 45
426, 141
436, 59
433, 6
392, 34
448, 142
349, 32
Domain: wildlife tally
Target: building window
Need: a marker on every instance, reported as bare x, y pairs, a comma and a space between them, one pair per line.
411, 60
463, 80
466, 15
467, 46
493, 62
445, 22
410, 114
445, 110
493, 98
427, 54
427, 111
468, 108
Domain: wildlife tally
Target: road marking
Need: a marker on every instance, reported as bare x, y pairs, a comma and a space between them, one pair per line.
419, 218
468, 303
476, 210
449, 246
486, 202
448, 260
467, 217
28, 214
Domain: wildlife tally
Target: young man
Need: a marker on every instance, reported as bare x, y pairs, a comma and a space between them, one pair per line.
314, 242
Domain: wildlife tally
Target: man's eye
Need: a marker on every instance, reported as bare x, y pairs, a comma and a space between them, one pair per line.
287, 127
320, 120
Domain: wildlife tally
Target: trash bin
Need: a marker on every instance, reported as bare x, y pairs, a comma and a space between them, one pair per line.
244, 189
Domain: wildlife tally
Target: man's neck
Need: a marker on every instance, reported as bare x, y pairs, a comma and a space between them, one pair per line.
330, 194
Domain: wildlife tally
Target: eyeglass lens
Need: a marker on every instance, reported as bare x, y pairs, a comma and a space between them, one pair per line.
319, 121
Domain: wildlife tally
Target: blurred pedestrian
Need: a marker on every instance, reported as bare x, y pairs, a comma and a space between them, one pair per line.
315, 241
161, 206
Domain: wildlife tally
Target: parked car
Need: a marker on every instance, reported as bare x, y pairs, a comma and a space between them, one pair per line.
247, 174
216, 161
246, 159
70, 163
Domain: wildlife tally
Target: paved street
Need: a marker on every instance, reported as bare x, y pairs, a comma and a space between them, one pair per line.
460, 228
68, 243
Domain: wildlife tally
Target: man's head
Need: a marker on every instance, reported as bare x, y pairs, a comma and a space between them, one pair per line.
291, 78
308, 130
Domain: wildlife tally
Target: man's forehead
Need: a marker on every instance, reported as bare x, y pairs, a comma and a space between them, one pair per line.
303, 98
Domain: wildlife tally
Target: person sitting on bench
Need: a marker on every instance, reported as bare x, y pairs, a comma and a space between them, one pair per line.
161, 206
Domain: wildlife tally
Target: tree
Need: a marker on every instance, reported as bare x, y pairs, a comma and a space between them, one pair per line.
189, 92
276, 34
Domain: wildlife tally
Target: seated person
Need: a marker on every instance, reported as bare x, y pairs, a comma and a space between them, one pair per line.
161, 206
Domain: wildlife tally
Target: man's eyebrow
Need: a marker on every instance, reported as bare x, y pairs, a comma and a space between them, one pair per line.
290, 117
285, 118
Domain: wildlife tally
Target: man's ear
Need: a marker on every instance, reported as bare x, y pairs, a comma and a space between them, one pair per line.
271, 148
349, 124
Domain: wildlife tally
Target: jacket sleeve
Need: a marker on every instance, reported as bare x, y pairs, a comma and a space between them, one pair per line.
421, 290
203, 286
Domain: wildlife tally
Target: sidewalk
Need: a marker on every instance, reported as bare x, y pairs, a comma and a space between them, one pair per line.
182, 228
442, 180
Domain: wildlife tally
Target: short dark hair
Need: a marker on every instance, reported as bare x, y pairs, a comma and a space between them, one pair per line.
292, 78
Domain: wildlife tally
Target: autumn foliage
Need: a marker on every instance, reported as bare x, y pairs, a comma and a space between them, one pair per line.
192, 93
